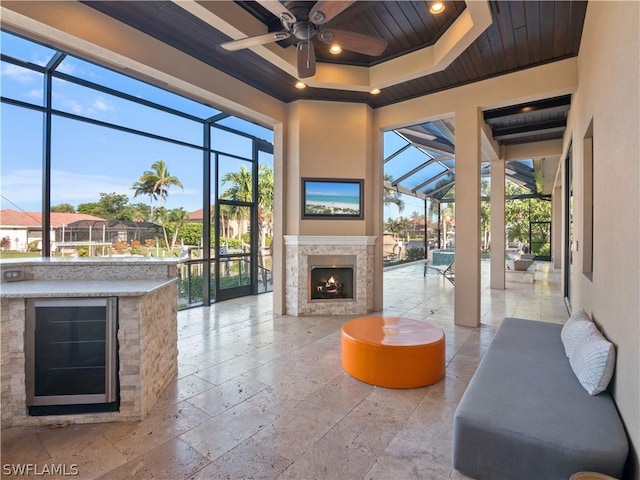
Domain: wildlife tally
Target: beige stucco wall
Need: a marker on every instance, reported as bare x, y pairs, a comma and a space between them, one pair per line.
609, 81
327, 140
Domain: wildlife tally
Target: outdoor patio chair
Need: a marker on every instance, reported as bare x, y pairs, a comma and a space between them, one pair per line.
449, 272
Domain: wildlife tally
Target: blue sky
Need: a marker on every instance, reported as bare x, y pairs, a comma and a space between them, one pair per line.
332, 189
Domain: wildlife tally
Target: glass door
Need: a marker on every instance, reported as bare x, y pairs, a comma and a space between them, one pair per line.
233, 266
234, 235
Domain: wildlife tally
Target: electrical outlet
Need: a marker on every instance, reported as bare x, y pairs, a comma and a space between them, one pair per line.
12, 275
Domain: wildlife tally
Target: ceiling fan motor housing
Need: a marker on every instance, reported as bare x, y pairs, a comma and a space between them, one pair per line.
304, 30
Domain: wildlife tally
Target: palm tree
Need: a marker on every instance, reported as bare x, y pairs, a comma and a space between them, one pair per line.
177, 217
239, 191
392, 196
156, 183
265, 202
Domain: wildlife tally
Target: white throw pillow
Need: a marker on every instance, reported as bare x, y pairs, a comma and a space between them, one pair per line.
593, 360
577, 323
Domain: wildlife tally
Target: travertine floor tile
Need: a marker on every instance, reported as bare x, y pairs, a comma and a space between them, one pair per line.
250, 460
407, 460
172, 460
264, 397
224, 432
162, 424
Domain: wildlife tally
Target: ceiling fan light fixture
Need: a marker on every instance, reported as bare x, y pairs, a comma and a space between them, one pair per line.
300, 85
335, 49
436, 7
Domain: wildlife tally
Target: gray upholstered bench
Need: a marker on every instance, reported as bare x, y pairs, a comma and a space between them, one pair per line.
525, 415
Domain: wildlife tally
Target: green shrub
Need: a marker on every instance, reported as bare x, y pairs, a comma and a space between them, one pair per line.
415, 253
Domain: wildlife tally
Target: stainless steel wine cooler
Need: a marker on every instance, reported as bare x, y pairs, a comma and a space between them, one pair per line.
71, 354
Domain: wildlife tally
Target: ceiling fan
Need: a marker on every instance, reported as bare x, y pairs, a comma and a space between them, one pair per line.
308, 23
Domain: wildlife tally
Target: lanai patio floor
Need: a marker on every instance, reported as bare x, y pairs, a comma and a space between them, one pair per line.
263, 396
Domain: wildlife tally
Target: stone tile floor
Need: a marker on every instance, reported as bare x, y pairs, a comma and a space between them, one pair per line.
260, 396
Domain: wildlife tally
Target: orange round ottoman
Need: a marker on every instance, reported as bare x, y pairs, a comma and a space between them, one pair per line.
393, 352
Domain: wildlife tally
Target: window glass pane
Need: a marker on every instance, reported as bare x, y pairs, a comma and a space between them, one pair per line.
235, 179
436, 184
123, 83
21, 175
100, 170
228, 142
247, 127
405, 162
22, 84
392, 143
26, 50
90, 103
423, 176
265, 221
409, 204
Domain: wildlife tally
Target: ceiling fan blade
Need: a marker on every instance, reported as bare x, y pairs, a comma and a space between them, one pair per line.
248, 42
325, 10
355, 42
279, 10
306, 59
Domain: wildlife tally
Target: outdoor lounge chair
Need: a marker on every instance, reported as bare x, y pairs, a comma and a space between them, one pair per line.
449, 272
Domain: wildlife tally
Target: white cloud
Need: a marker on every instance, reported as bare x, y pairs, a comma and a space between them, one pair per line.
19, 74
35, 93
101, 104
74, 188
24, 187
66, 67
72, 105
93, 107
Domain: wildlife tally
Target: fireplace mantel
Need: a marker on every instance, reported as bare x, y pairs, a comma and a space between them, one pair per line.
328, 240
298, 249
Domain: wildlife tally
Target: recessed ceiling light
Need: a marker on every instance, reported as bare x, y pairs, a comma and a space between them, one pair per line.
300, 85
335, 49
375, 91
436, 7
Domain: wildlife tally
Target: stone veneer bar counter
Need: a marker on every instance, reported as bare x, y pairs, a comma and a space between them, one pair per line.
147, 292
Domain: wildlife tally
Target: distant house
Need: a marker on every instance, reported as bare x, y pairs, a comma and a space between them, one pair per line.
109, 231
23, 228
231, 228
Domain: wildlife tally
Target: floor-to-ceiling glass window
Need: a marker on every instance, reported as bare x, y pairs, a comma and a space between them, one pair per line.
96, 163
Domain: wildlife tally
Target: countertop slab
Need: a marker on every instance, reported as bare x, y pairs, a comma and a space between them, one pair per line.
76, 288
89, 261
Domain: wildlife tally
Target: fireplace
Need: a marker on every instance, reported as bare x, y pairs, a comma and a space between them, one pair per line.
331, 283
311, 261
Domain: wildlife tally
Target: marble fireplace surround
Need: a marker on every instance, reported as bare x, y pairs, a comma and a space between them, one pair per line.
298, 249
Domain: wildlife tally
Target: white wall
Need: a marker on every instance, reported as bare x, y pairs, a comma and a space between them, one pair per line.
18, 237
609, 81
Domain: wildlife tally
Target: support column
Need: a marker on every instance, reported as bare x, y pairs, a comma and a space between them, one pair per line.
497, 225
467, 250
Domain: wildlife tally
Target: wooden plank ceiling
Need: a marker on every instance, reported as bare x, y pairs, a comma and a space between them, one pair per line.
523, 34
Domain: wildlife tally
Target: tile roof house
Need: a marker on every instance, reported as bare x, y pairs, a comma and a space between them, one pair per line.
23, 228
